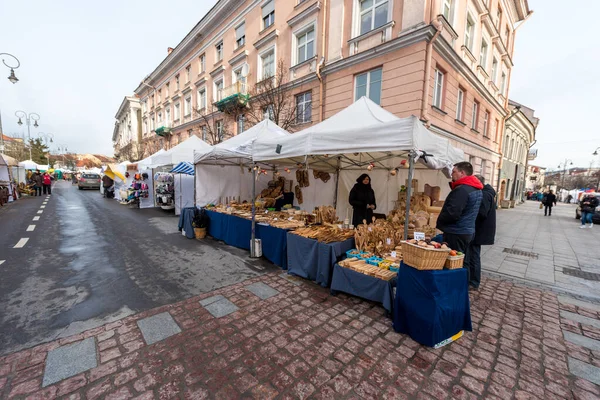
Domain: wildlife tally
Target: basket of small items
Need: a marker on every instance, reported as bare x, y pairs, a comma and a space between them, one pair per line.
455, 260
424, 255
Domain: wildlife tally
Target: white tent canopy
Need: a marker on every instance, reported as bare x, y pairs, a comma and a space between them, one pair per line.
184, 151
146, 163
29, 164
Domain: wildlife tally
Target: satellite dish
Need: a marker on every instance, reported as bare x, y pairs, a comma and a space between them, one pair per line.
245, 70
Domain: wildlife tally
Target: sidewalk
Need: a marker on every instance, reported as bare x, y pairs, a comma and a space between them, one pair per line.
550, 251
275, 338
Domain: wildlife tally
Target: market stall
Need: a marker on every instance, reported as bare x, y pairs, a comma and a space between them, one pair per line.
117, 174
183, 186
145, 168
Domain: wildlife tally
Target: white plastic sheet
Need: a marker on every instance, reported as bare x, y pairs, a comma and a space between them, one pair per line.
184, 192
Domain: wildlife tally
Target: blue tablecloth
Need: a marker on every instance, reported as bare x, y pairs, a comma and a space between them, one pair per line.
185, 222
431, 306
363, 286
313, 260
236, 231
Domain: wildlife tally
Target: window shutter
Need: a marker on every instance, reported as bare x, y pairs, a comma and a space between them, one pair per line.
268, 8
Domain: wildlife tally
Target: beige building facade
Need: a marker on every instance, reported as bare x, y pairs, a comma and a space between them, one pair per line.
446, 61
127, 133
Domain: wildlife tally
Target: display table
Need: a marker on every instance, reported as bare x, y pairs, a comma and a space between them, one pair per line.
363, 286
236, 231
311, 259
431, 306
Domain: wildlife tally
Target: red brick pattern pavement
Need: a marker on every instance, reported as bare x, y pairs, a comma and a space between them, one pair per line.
304, 343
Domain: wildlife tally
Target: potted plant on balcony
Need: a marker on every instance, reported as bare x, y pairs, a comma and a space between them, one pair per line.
200, 224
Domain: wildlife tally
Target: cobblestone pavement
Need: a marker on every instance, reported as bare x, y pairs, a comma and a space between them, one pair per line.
561, 256
303, 343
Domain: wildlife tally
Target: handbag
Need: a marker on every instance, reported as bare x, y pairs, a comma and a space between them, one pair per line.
541, 206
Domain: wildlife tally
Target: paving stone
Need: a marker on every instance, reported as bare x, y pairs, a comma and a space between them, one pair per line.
221, 308
70, 360
291, 278
580, 318
210, 300
582, 340
584, 370
158, 327
579, 303
262, 290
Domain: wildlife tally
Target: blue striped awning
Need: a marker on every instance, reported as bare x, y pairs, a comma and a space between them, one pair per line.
183, 167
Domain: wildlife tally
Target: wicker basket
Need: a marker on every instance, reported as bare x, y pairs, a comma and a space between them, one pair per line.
455, 262
423, 259
200, 233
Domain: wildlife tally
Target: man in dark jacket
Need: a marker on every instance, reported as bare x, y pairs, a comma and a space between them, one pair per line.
458, 215
548, 201
588, 209
485, 232
38, 182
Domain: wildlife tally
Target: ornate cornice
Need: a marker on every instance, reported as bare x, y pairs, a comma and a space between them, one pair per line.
313, 8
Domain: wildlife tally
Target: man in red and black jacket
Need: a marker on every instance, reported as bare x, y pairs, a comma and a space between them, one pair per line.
459, 213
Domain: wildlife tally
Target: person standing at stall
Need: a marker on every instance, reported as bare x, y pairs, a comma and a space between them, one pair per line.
37, 182
362, 200
47, 182
459, 212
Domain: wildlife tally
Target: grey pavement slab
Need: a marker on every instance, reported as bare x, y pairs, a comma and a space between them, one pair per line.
580, 318
291, 278
584, 370
70, 360
578, 303
262, 290
221, 308
158, 327
582, 340
210, 300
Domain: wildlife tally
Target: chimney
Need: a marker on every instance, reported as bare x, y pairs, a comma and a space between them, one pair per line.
169, 50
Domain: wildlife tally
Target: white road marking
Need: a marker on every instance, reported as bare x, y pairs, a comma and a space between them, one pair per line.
2, 262
40, 211
36, 218
21, 243
30, 228
42, 206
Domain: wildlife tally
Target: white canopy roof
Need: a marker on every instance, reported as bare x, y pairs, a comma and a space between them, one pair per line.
240, 146
147, 162
29, 164
360, 134
182, 152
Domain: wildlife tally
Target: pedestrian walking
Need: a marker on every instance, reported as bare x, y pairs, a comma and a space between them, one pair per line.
588, 209
459, 212
47, 182
485, 233
549, 200
37, 182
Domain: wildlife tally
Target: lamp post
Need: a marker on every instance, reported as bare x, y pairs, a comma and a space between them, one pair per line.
12, 77
595, 153
47, 137
564, 165
28, 118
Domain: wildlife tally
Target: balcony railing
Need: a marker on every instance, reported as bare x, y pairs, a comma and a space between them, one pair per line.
236, 94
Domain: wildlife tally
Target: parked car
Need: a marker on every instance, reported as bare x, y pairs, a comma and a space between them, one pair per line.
89, 181
596, 217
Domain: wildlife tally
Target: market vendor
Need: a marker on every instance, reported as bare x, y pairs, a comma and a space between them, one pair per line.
362, 200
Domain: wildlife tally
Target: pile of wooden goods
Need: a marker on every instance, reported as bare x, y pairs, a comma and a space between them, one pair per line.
425, 207
369, 264
380, 237
325, 233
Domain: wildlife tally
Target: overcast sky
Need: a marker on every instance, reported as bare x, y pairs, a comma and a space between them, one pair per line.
79, 58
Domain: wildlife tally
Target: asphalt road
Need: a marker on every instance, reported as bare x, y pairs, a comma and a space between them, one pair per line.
89, 261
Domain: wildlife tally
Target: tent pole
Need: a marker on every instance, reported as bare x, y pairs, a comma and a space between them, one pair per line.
253, 233
337, 182
411, 170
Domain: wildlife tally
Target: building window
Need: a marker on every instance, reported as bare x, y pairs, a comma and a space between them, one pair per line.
187, 106
369, 84
438, 89
167, 90
219, 51
204, 133
506, 36
512, 147
267, 61
152, 101
202, 63
483, 170
305, 41
486, 118
177, 111
460, 103
176, 82
503, 83
498, 18
475, 117
268, 14
159, 94
269, 112
218, 89
448, 10
494, 69
304, 108
188, 71
373, 14
469, 32
240, 35
497, 130
168, 116
159, 119
240, 123
219, 126
202, 99
483, 54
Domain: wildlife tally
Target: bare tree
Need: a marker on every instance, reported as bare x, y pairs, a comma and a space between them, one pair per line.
272, 98
214, 123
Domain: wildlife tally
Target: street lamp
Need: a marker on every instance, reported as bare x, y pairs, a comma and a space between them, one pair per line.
28, 118
595, 153
47, 137
562, 184
12, 77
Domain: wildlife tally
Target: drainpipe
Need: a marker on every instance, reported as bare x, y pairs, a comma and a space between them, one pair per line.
322, 62
428, 57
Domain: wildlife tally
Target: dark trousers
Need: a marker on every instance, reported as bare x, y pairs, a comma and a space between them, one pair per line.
473, 264
47, 189
458, 242
38, 190
548, 210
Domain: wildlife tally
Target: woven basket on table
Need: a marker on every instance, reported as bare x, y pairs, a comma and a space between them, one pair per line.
455, 262
423, 259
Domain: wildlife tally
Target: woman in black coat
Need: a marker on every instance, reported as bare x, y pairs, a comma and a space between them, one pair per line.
362, 200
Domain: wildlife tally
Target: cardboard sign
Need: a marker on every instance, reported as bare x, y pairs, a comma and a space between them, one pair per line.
394, 254
388, 241
419, 236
